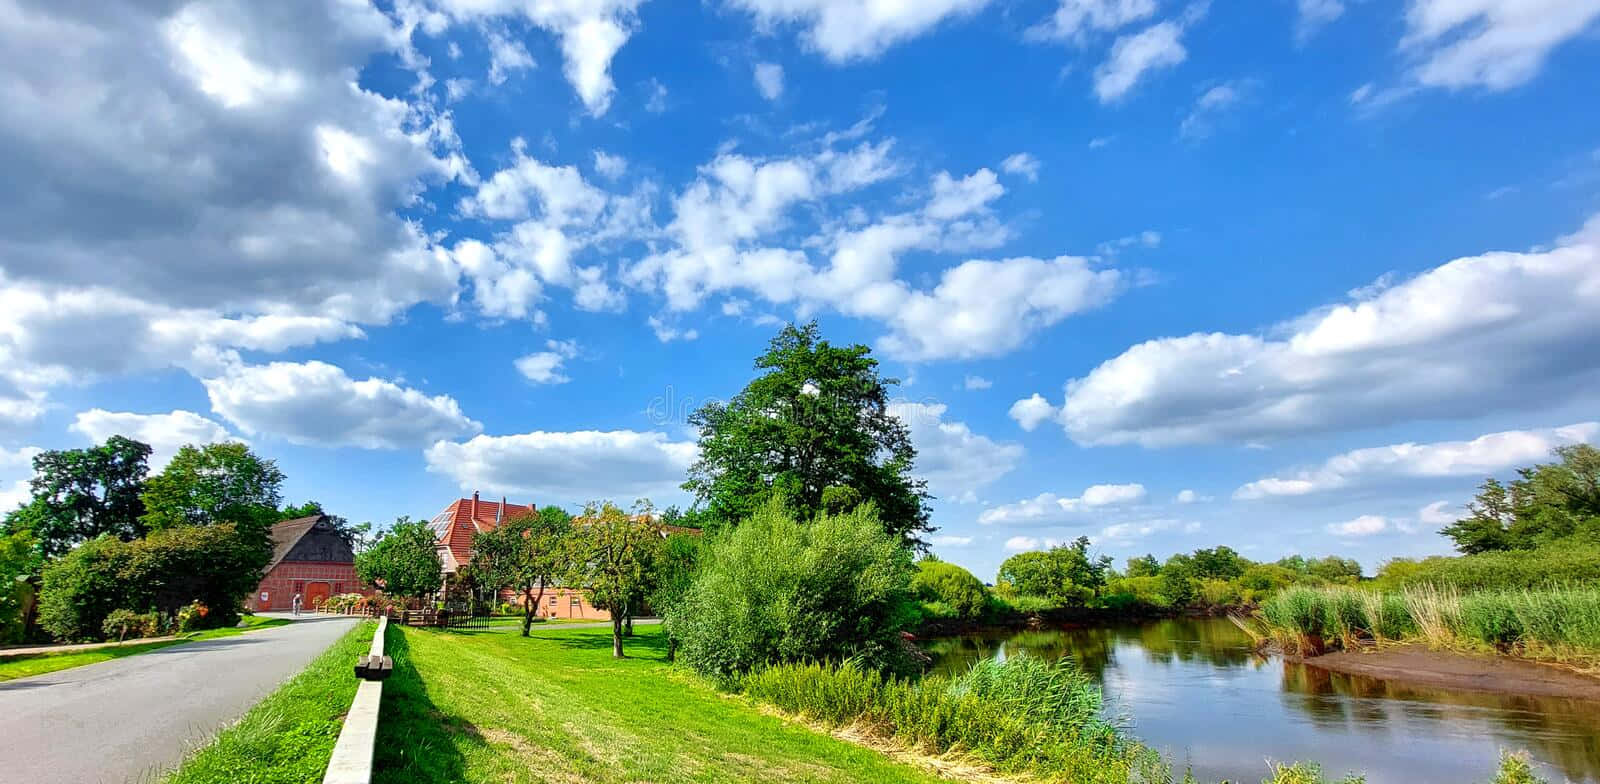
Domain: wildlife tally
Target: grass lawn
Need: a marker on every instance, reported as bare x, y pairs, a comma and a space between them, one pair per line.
288, 737
492, 706
41, 663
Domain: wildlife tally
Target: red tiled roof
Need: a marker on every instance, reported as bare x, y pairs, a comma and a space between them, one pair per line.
464, 517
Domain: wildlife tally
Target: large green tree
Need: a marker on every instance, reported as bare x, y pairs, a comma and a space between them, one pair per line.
215, 483
1545, 503
814, 427
1064, 574
79, 494
403, 561
525, 553
613, 556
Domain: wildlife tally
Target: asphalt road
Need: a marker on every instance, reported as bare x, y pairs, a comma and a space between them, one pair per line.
130, 719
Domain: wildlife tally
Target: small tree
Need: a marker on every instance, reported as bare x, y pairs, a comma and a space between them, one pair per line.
673, 576
954, 589
525, 553
612, 555
404, 560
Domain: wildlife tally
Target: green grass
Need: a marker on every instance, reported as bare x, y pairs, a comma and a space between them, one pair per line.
25, 665
288, 737
1559, 623
493, 706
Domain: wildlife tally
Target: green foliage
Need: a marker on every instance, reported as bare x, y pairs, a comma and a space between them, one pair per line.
775, 590
213, 484
817, 418
403, 560
673, 576
1143, 590
613, 557
1064, 574
1218, 563
1023, 716
1515, 769
1144, 566
127, 624
1547, 502
80, 494
19, 562
1305, 773
217, 565
951, 586
1561, 563
1179, 580
525, 553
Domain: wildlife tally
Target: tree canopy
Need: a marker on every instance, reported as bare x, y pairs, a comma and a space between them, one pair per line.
1545, 503
526, 553
614, 555
403, 560
1064, 574
79, 494
814, 428
216, 483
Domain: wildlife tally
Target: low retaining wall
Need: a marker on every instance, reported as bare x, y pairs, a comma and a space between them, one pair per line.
351, 762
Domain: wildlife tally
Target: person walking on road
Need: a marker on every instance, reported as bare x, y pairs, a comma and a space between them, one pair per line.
297, 605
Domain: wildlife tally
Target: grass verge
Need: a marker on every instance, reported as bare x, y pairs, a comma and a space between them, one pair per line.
22, 666
288, 737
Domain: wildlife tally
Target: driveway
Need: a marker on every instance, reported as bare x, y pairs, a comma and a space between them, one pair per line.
130, 719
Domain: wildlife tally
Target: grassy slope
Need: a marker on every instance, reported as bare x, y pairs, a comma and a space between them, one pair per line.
38, 664
491, 706
288, 737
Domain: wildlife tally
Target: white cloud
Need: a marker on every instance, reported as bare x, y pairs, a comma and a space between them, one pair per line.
1023, 165
1483, 455
956, 461
1099, 141
1436, 513
769, 80
1313, 15
1500, 331
1365, 525
16, 470
505, 56
545, 367
846, 30
946, 540
1017, 544
655, 96
666, 332
1132, 56
567, 467
976, 382
1031, 411
1210, 108
608, 165
317, 403
1049, 508
1187, 496
1494, 44
1073, 20
165, 433
1127, 533
954, 198
590, 34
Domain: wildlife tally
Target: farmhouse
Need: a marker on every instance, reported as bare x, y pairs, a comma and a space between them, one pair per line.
309, 558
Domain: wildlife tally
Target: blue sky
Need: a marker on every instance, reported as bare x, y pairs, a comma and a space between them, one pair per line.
1291, 278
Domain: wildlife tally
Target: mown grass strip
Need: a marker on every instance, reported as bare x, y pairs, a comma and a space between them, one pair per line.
288, 737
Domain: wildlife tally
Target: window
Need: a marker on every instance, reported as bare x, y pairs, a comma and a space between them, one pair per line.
576, 602
552, 601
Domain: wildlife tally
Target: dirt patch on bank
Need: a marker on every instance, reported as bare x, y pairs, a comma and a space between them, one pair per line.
1492, 674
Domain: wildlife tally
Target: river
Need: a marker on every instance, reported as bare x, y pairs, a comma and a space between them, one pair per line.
1195, 689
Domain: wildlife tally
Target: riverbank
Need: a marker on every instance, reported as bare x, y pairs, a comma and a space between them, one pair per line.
1487, 673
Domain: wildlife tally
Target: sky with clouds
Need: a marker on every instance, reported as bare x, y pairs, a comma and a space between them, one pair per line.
1292, 278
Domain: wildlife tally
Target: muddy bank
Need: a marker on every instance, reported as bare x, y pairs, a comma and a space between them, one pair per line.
1491, 674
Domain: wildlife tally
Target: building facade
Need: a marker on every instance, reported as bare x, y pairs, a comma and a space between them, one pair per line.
310, 559
464, 518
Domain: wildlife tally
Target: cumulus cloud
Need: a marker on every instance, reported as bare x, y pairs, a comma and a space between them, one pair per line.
1031, 411
947, 540
567, 467
1365, 525
667, 332
1018, 544
1436, 513
976, 382
1133, 56
1493, 44
1127, 533
1313, 15
847, 30
165, 433
1190, 497
769, 80
1049, 508
955, 461
1023, 165
1210, 108
608, 165
319, 404
545, 367
1495, 332
1483, 455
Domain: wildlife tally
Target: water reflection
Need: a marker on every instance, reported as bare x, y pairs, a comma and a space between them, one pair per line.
1195, 688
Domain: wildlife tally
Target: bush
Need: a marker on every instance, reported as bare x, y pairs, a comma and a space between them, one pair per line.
775, 590
950, 589
1135, 591
127, 624
192, 617
82, 588
1564, 564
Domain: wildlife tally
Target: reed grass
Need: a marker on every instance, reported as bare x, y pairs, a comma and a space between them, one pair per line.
1560, 623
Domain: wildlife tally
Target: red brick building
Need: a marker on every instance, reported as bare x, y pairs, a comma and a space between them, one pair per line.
310, 559
465, 517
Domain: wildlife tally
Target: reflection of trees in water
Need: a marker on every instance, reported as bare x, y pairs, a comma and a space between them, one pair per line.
1209, 640
1563, 733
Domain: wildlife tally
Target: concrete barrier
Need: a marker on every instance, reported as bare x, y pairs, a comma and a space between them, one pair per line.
352, 754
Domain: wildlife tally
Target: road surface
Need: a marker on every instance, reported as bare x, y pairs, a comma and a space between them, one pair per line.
130, 719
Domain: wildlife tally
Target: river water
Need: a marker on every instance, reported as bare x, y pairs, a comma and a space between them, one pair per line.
1195, 689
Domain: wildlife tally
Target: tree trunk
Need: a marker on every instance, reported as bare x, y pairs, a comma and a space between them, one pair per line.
530, 607
627, 625
616, 637
672, 649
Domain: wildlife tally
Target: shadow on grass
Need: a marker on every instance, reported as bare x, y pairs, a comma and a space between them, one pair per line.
416, 741
639, 646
